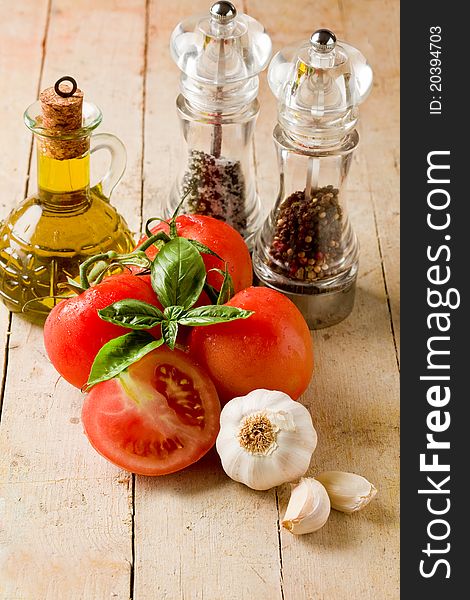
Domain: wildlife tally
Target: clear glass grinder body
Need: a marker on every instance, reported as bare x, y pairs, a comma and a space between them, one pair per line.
306, 247
220, 56
46, 237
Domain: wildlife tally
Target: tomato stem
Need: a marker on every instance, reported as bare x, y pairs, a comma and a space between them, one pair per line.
85, 266
93, 270
161, 236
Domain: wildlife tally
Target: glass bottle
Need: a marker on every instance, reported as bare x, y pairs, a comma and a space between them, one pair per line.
306, 247
220, 56
46, 237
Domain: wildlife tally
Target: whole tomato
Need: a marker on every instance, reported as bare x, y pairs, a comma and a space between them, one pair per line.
272, 349
74, 332
221, 239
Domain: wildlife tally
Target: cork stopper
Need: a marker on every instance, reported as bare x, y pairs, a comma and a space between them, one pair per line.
61, 108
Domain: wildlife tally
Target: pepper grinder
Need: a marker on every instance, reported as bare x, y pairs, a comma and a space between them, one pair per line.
306, 247
220, 56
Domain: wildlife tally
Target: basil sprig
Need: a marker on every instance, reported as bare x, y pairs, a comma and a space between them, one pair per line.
134, 314
178, 276
226, 289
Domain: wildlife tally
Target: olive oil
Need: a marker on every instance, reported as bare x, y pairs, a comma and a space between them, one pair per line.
63, 175
48, 235
45, 238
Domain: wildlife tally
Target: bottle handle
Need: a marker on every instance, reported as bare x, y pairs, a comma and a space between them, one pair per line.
116, 148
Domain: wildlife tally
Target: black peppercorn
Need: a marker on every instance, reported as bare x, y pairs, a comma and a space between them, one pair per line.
215, 187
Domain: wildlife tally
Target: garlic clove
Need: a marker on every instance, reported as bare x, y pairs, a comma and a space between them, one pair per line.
348, 492
309, 507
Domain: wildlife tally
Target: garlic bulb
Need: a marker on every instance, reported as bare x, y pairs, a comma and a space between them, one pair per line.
348, 492
309, 507
265, 439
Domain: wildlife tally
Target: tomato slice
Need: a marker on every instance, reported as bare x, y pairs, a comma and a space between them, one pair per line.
157, 417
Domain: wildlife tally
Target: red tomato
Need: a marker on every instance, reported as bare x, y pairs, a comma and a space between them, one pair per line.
272, 349
74, 333
157, 417
221, 239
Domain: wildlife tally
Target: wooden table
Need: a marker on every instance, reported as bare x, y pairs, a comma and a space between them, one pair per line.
72, 525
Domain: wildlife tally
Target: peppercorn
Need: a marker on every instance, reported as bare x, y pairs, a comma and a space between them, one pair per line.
309, 232
215, 187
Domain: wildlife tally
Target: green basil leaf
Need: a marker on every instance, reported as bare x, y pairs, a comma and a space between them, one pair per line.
178, 273
120, 353
173, 313
203, 249
227, 290
209, 315
133, 314
169, 333
211, 292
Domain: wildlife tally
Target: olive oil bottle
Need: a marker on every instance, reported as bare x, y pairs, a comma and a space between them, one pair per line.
45, 238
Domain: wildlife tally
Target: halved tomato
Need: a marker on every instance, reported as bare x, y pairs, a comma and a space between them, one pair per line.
157, 417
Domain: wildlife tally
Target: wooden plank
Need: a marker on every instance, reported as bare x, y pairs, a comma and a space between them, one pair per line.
201, 535
198, 534
353, 397
67, 512
20, 52
377, 33
21, 37
163, 143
